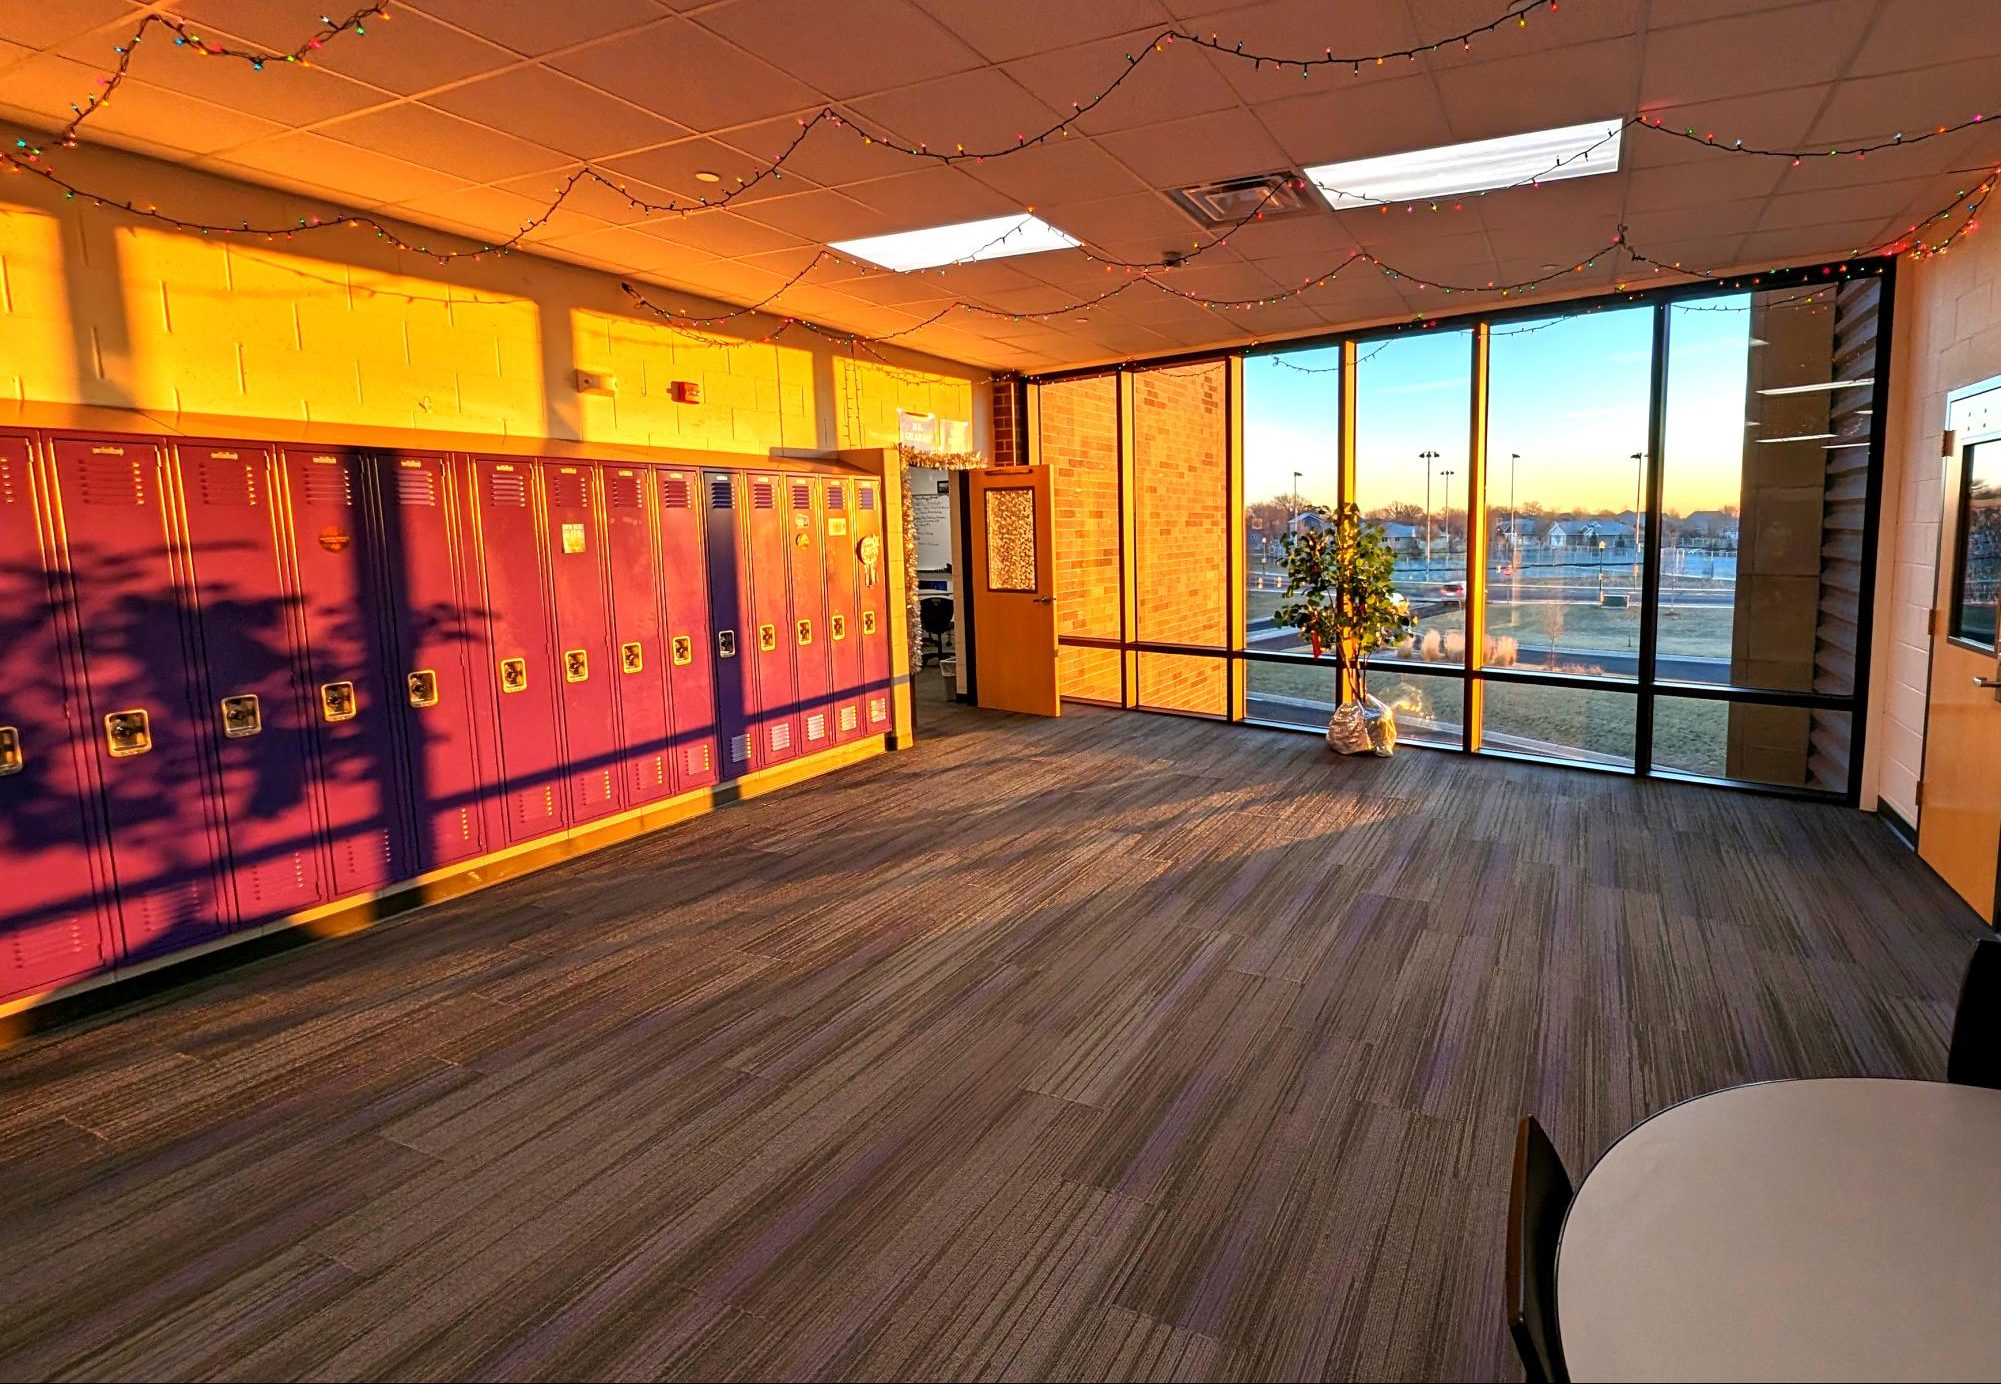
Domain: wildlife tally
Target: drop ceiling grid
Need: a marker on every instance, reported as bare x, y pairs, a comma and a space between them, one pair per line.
731, 252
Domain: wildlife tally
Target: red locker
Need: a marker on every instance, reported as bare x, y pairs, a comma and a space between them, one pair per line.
254, 700
689, 648
810, 642
775, 729
844, 644
587, 667
434, 664
643, 657
53, 925
141, 691
874, 598
352, 678
734, 617
521, 656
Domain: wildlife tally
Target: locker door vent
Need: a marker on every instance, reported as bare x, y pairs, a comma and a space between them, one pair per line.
569, 490
721, 494
802, 495
623, 492
508, 488
674, 492
739, 748
781, 735
878, 709
7, 494
850, 716
33, 952
696, 759
417, 488
868, 497
111, 481
816, 726
837, 497
763, 495
329, 484
228, 482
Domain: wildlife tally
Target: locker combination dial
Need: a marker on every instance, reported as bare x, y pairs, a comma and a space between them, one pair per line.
10, 750
337, 701
725, 643
422, 686
576, 665
630, 657
127, 733
242, 717
767, 639
513, 674
684, 650
837, 626
805, 632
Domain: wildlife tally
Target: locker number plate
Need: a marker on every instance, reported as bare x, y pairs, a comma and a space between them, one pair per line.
837, 626
805, 632
767, 639
576, 665
242, 717
513, 674
631, 657
127, 733
337, 701
868, 622
423, 687
10, 750
684, 651
725, 643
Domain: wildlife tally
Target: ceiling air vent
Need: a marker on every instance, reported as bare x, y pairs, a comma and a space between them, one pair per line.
1225, 203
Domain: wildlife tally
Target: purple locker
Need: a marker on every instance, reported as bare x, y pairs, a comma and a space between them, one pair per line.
734, 619
776, 728
254, 698
52, 922
643, 657
810, 638
587, 668
141, 691
873, 597
844, 644
434, 663
521, 657
352, 677
690, 650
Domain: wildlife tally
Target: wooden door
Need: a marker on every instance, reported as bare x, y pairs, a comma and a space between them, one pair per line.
1014, 590
1959, 829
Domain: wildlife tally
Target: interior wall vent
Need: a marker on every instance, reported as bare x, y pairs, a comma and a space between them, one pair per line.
1225, 203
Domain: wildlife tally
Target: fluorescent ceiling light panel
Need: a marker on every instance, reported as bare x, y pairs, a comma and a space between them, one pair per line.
1545, 156
994, 238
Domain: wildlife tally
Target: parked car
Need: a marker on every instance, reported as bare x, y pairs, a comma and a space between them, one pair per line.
1453, 591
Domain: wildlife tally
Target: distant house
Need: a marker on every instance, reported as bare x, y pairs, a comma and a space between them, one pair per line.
1708, 523
1406, 540
1588, 534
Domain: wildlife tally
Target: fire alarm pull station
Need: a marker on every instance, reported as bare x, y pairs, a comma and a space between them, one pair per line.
686, 392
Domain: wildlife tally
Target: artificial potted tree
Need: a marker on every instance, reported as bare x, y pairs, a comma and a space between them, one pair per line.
1340, 592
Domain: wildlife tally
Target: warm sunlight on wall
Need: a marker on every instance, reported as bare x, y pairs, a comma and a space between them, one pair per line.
38, 349
242, 329
868, 394
755, 396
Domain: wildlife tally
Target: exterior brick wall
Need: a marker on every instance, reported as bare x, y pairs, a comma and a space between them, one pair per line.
1079, 441
1181, 532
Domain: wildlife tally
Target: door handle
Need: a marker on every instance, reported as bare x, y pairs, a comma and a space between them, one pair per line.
1987, 682
1045, 600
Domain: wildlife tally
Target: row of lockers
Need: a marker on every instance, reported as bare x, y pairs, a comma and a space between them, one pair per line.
238, 681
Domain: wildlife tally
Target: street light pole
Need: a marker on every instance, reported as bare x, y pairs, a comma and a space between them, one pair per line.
1445, 476
1639, 504
1427, 457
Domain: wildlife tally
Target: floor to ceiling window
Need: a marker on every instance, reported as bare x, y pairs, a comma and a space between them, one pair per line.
1634, 532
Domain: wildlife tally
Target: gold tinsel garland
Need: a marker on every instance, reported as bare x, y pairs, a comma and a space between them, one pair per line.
936, 461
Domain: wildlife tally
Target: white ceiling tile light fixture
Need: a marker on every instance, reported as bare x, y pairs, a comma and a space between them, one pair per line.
996, 237
1542, 156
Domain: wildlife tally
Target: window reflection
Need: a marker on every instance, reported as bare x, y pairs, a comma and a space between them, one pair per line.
1292, 460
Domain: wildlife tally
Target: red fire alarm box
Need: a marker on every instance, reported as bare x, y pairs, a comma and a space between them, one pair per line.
686, 392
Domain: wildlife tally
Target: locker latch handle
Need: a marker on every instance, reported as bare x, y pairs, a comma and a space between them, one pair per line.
631, 657
684, 650
423, 687
127, 733
868, 622
767, 639
576, 665
242, 716
805, 632
725, 643
837, 626
513, 674
10, 750
337, 701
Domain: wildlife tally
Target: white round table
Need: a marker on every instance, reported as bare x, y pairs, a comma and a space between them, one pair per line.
1843, 1229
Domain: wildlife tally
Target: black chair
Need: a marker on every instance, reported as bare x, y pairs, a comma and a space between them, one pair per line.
1536, 1205
934, 615
1975, 1056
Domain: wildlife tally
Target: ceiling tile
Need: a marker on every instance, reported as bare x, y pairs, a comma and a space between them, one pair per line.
363, 177
444, 142
1752, 53
934, 196
46, 23
1223, 144
557, 111
725, 234
1905, 36
1540, 91
1024, 27
1358, 122
407, 54
535, 27
688, 74
1170, 84
675, 166
844, 50
979, 111
1051, 172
